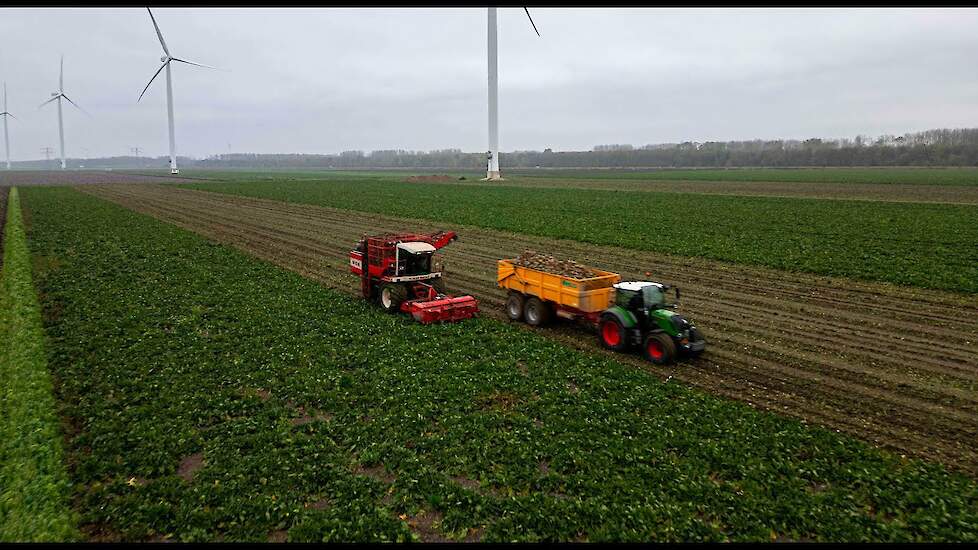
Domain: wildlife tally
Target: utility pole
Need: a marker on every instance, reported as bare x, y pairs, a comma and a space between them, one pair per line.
135, 151
47, 154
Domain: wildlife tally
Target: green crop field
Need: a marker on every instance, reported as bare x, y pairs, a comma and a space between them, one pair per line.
217, 397
926, 245
903, 175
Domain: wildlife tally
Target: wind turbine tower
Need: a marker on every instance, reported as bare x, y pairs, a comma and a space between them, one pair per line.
166, 59
5, 114
58, 96
492, 173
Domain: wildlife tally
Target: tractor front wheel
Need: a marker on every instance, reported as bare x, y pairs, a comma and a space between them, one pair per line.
514, 306
611, 333
391, 296
659, 348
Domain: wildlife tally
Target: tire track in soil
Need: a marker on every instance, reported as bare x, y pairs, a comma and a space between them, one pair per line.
895, 366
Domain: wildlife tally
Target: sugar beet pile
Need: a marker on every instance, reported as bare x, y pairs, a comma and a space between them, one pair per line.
545, 262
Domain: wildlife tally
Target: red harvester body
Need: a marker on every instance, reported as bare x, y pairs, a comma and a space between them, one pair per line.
399, 272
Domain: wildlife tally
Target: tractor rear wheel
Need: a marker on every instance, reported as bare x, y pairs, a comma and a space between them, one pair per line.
514, 306
659, 348
391, 296
611, 333
536, 312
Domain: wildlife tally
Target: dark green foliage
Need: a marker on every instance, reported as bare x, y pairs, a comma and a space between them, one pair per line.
166, 346
927, 245
34, 487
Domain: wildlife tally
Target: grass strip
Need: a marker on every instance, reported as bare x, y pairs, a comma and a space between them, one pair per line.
34, 487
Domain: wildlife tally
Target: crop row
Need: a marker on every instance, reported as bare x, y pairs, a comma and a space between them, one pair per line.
220, 398
927, 245
910, 176
34, 487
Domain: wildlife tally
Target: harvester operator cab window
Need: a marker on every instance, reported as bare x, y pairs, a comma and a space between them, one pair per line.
414, 258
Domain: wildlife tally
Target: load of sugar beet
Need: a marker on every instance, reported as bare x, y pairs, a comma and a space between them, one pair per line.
545, 262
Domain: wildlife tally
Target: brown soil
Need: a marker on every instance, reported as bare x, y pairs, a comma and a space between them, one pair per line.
189, 465
426, 524
82, 177
278, 536
379, 473
441, 178
895, 366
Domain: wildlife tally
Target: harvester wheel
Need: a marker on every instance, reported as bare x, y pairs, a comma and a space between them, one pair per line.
391, 297
514, 306
536, 312
611, 333
659, 348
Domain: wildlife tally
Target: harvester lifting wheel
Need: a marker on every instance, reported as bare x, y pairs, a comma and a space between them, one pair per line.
514, 306
611, 333
391, 296
659, 348
536, 312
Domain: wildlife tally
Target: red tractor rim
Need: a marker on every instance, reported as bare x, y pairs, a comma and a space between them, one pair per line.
609, 331
655, 349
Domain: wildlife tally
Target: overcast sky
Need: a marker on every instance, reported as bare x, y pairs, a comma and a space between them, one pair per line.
327, 80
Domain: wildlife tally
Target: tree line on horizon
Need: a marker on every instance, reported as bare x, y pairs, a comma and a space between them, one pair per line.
938, 147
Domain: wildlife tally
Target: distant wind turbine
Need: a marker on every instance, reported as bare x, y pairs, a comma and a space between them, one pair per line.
58, 96
5, 114
493, 171
166, 59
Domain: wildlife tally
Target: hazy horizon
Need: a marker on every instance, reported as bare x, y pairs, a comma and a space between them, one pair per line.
324, 80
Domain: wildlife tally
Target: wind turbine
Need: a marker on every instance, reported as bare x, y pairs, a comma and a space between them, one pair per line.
58, 96
492, 173
5, 114
166, 59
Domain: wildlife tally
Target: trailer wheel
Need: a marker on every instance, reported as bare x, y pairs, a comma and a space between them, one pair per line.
659, 348
391, 296
536, 312
611, 333
514, 306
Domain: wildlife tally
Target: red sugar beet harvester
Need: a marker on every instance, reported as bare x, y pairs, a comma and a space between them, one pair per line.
400, 272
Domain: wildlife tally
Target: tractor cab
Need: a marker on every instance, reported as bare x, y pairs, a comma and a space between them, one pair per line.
644, 296
413, 258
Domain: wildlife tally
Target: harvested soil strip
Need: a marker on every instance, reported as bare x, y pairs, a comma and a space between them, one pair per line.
895, 366
886, 192
80, 177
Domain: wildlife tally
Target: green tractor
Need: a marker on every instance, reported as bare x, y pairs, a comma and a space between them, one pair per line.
640, 317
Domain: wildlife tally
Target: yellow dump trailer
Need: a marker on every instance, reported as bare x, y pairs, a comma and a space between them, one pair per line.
535, 294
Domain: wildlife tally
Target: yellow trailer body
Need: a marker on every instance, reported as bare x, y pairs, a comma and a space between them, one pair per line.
589, 295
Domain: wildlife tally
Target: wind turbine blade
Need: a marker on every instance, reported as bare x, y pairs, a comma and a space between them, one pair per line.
48, 101
11, 116
61, 76
158, 33
531, 21
76, 105
156, 74
197, 64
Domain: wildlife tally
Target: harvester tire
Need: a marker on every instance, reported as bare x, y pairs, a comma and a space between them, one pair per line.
391, 296
659, 348
611, 333
514, 306
536, 312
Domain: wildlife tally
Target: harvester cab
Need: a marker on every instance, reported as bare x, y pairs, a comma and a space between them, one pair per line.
396, 271
641, 316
